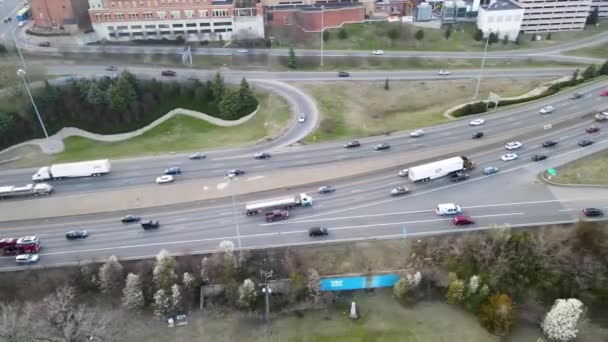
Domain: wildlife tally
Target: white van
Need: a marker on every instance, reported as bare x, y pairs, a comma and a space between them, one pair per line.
447, 209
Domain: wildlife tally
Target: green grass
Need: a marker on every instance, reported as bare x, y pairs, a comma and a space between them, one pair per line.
185, 133
598, 51
592, 169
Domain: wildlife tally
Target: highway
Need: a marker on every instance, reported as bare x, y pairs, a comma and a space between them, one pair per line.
360, 209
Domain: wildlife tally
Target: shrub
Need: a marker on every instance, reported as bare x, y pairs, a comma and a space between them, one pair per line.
470, 109
455, 294
497, 314
562, 320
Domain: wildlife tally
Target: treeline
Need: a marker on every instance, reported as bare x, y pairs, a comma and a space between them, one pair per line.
121, 104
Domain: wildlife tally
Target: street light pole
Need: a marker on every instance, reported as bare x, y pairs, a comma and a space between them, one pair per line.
322, 30
232, 177
483, 62
17, 47
21, 73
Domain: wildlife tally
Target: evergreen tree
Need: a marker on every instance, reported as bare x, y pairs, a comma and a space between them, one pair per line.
478, 36
120, 95
604, 68
342, 34
95, 96
218, 88
517, 39
132, 294
574, 78
448, 32
548, 37
386, 85
419, 35
230, 105
593, 16
326, 35
505, 39
497, 314
492, 38
291, 59
590, 72
455, 294
3, 50
246, 97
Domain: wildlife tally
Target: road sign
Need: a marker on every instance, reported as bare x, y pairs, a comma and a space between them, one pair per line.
552, 172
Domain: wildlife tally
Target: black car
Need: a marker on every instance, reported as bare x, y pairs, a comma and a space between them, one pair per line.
111, 68
343, 74
549, 143
539, 157
44, 44
593, 212
584, 142
352, 144
173, 171
168, 73
381, 147
149, 224
318, 231
576, 96
459, 176
326, 189
477, 135
130, 219
263, 155
235, 172
76, 234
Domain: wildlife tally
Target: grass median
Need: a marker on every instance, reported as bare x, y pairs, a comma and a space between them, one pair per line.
592, 170
598, 51
359, 109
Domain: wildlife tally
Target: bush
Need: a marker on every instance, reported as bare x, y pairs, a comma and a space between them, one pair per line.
46, 34
497, 314
470, 109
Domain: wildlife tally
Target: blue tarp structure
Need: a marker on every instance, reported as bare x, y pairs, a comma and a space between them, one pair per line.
358, 283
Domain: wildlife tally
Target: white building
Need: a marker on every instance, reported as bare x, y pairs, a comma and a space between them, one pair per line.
502, 17
551, 15
602, 6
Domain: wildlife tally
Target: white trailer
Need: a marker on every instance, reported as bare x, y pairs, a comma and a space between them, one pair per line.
91, 168
279, 203
40, 189
440, 168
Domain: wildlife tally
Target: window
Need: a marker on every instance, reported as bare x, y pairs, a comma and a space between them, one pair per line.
220, 30
148, 15
111, 28
97, 17
133, 16
191, 25
222, 23
107, 17
202, 13
136, 27
178, 25
122, 28
192, 31
150, 26
206, 31
124, 34
175, 14
163, 26
189, 13
120, 16
138, 33
161, 14
220, 13
205, 24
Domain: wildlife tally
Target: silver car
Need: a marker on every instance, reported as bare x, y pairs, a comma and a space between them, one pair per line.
25, 259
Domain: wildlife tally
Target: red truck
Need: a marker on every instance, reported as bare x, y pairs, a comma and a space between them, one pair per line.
23, 245
276, 215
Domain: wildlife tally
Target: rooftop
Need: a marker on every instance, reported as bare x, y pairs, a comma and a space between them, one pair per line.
502, 5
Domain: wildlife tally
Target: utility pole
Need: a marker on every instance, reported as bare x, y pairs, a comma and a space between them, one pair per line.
21, 73
483, 62
232, 177
322, 29
267, 290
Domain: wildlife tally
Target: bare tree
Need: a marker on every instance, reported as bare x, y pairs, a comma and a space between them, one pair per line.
162, 303
313, 283
176, 298
132, 294
111, 276
16, 323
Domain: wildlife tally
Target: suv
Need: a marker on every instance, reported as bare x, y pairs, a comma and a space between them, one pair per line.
352, 144
276, 215
318, 231
477, 135
584, 143
173, 171
168, 73
262, 155
149, 224
76, 234
593, 212
343, 74
459, 176
549, 143
539, 157
447, 209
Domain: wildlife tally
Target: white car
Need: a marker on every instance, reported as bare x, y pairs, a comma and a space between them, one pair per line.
417, 133
197, 155
378, 52
301, 118
477, 122
546, 110
508, 157
513, 145
164, 179
404, 173
243, 51
27, 258
443, 72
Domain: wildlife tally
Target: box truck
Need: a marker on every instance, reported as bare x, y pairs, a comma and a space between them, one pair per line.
440, 168
91, 168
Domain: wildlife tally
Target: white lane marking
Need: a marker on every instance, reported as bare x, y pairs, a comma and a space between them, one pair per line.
254, 178
225, 221
451, 186
356, 190
568, 209
258, 167
180, 219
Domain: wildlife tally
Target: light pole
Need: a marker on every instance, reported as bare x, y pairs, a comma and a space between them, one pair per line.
483, 62
17, 47
267, 291
322, 29
235, 218
21, 73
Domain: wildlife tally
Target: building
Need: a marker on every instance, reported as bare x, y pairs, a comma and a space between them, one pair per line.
312, 18
552, 15
192, 20
69, 15
602, 6
502, 17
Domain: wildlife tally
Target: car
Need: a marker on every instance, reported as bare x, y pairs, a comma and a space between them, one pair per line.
513, 145
196, 156
477, 135
235, 172
546, 110
508, 157
168, 73
44, 44
399, 190
173, 171
443, 73
130, 219
593, 212
318, 231
351, 144
276, 215
477, 122
76, 234
404, 173
576, 96
447, 209
584, 143
490, 170
592, 129
601, 117
27, 258
326, 189
149, 224
549, 143
604, 93
459, 176
417, 133
301, 118
164, 179
378, 52
242, 51
381, 147
111, 68
462, 220
262, 155
539, 157
343, 74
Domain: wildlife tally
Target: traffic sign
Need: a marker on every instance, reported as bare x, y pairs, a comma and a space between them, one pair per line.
552, 172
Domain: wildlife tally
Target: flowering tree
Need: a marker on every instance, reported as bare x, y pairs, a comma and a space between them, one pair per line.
247, 294
561, 322
176, 298
132, 294
473, 284
162, 303
111, 276
164, 270
497, 314
455, 294
205, 271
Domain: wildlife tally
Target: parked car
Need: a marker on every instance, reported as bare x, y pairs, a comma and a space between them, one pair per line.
25, 259
168, 73
585, 142
546, 110
76, 234
164, 179
462, 220
404, 173
173, 171
576, 96
477, 122
378, 52
235, 172
343, 74
149, 224
44, 44
477, 135
326, 189
417, 133
318, 231
513, 145
196, 156
508, 157
549, 143
382, 146
539, 157
593, 212
592, 129
400, 190
262, 155
352, 144
459, 176
130, 219
490, 170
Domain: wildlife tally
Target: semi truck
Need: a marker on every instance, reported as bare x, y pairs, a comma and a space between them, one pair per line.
39, 189
91, 168
440, 168
23, 245
279, 203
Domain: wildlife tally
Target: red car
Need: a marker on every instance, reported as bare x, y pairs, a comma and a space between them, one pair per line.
592, 129
604, 93
462, 219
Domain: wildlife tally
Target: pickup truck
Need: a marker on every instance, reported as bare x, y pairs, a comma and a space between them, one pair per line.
149, 224
276, 215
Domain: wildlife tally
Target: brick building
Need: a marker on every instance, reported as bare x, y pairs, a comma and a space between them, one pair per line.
55, 14
310, 18
193, 20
